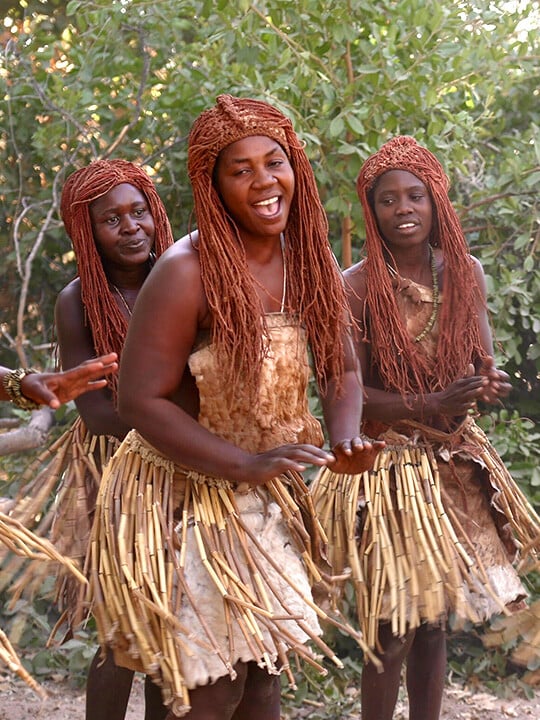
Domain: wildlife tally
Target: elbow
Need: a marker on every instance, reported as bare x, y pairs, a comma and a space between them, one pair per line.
128, 409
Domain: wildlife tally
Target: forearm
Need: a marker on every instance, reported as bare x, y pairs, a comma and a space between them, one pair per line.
99, 415
389, 407
343, 410
183, 440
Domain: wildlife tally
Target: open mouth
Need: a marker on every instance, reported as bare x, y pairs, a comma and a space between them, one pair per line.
268, 207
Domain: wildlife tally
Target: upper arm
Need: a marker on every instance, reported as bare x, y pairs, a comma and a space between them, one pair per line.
483, 319
169, 310
74, 336
355, 286
76, 345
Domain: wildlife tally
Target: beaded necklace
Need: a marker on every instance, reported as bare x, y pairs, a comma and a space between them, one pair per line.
435, 293
431, 322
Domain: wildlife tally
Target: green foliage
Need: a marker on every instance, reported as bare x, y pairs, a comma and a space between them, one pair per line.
125, 78
29, 624
332, 696
518, 442
472, 664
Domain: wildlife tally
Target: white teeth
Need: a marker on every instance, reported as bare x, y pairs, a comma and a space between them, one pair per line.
267, 202
405, 225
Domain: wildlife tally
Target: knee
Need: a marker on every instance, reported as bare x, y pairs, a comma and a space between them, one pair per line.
262, 687
394, 648
429, 637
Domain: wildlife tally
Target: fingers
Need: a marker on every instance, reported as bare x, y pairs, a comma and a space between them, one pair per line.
470, 371
105, 360
356, 455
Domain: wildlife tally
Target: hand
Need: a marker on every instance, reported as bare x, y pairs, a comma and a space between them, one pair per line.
461, 395
498, 384
54, 389
355, 456
263, 467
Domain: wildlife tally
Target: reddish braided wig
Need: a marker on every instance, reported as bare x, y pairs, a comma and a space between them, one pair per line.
401, 363
316, 293
107, 323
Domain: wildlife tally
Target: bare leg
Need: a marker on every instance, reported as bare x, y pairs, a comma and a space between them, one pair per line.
107, 689
262, 696
426, 673
380, 689
218, 701
154, 707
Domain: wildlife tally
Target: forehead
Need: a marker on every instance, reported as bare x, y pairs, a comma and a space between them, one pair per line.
397, 179
249, 148
119, 195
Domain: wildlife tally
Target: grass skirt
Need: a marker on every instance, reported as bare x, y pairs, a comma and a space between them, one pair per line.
189, 577
57, 501
21, 541
425, 537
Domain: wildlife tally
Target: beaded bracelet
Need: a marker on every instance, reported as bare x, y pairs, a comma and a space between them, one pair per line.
12, 385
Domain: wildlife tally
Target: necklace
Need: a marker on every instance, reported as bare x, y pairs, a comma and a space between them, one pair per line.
284, 286
122, 298
284, 290
431, 322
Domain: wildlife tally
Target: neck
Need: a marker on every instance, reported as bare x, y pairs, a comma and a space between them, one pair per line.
128, 279
412, 263
263, 251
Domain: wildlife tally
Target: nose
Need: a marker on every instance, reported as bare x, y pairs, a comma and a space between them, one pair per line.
128, 223
264, 177
403, 206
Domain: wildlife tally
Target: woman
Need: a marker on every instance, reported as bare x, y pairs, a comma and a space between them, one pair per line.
440, 520
118, 226
221, 541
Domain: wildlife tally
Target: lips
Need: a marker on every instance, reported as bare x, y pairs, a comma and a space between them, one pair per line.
268, 207
135, 244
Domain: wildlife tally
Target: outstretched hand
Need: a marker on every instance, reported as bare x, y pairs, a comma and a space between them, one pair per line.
352, 457
55, 388
263, 467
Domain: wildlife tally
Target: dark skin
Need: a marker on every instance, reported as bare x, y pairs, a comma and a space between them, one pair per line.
256, 182
403, 208
124, 234
56, 388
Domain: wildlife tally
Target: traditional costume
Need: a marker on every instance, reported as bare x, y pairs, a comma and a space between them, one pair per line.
70, 470
191, 573
437, 529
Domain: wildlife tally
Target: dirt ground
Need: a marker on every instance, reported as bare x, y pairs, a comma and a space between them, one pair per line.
18, 702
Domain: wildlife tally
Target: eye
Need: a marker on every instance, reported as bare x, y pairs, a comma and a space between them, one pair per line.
139, 212
276, 163
112, 220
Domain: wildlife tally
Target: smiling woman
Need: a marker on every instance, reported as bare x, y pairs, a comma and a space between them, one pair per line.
210, 475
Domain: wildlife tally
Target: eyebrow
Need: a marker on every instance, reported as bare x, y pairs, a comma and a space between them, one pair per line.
407, 189
116, 208
277, 147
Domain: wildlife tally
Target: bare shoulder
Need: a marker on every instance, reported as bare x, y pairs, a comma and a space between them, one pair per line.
355, 279
477, 265
69, 307
175, 282
70, 294
181, 258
